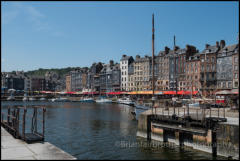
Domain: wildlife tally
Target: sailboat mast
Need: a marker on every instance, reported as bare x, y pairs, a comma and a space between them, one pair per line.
153, 84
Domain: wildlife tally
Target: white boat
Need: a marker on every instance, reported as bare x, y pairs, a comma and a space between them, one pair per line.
53, 99
25, 98
126, 101
103, 100
32, 99
194, 104
61, 99
87, 100
11, 98
42, 99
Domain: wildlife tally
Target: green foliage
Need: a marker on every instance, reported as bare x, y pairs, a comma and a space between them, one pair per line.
41, 72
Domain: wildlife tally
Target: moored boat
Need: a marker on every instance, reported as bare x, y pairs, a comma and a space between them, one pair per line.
103, 100
126, 101
89, 100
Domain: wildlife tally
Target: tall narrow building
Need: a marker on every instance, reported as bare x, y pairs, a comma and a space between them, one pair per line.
124, 66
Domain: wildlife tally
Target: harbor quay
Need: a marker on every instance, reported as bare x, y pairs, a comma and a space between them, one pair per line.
204, 130
15, 149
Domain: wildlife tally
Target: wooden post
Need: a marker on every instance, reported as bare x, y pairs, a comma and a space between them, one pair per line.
178, 111
184, 112
218, 112
149, 127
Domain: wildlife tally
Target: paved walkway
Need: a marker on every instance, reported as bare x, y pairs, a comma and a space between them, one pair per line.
17, 149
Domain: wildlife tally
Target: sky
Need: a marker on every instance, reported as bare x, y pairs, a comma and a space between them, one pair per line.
76, 34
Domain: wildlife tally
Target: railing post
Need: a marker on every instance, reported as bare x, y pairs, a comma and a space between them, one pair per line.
178, 111
43, 121
168, 111
8, 116
197, 114
224, 112
210, 112
218, 112
184, 112
17, 123
36, 119
23, 123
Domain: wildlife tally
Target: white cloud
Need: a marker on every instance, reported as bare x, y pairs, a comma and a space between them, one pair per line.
32, 14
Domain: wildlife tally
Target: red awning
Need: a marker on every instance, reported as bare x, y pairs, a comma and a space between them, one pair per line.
90, 93
169, 92
115, 93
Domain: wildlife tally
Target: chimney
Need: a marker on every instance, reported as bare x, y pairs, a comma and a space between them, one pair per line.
222, 44
206, 46
217, 44
124, 56
166, 50
111, 62
137, 56
176, 48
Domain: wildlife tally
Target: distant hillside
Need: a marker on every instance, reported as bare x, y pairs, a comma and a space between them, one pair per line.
61, 72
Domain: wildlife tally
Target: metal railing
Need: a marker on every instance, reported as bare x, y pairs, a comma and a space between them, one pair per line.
17, 126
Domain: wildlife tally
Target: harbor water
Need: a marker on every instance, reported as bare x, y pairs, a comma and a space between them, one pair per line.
102, 131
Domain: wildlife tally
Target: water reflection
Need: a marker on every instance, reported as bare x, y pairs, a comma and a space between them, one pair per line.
91, 131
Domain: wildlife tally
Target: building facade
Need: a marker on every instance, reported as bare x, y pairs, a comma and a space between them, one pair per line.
68, 83
162, 81
208, 69
124, 66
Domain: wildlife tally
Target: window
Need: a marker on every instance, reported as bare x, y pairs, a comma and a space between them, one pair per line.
235, 67
236, 84
235, 75
229, 84
207, 67
213, 59
224, 84
236, 60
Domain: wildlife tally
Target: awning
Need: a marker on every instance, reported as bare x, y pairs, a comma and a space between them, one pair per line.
115, 93
169, 92
159, 93
89, 93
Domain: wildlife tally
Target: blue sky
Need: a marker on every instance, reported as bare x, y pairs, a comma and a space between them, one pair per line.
69, 34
